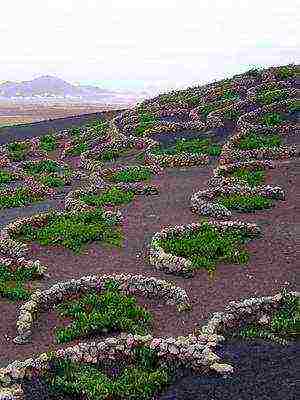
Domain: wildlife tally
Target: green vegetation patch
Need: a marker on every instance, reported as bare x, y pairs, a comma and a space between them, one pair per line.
207, 246
245, 203
47, 167
132, 174
255, 141
294, 105
113, 196
283, 327
53, 180
73, 231
252, 178
17, 151
21, 196
146, 121
193, 146
285, 72
230, 95
76, 149
113, 154
135, 380
272, 96
272, 119
12, 281
7, 177
109, 311
48, 143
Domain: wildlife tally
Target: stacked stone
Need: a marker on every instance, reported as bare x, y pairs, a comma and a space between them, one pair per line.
42, 301
202, 201
248, 121
180, 160
170, 263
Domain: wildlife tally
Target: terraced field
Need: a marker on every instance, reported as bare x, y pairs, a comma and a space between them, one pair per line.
153, 255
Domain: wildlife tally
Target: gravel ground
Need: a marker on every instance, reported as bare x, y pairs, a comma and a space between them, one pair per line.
258, 364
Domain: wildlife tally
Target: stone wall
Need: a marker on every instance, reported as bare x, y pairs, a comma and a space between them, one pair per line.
169, 263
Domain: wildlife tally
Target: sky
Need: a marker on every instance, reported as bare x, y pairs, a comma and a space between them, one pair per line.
139, 44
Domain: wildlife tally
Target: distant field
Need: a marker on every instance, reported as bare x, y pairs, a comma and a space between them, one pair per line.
9, 120
29, 130
18, 113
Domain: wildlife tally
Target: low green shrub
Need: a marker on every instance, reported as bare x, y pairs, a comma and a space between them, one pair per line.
286, 71
17, 151
52, 180
12, 282
272, 96
109, 155
207, 246
133, 382
132, 174
72, 231
231, 115
21, 196
230, 95
244, 203
34, 168
272, 119
48, 143
108, 311
251, 178
283, 327
142, 127
6, 177
76, 149
294, 105
255, 141
113, 196
193, 146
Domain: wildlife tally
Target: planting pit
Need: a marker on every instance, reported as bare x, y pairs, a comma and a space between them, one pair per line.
69, 230
182, 250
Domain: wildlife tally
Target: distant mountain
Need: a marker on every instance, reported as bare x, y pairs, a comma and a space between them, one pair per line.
52, 87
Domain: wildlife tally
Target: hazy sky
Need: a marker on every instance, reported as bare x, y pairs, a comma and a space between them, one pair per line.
121, 43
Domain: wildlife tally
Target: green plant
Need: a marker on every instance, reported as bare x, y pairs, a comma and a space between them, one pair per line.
145, 118
17, 151
272, 119
207, 246
20, 197
245, 203
255, 141
283, 326
294, 105
230, 95
134, 382
72, 231
252, 178
132, 174
272, 96
34, 168
231, 115
12, 282
48, 143
77, 149
52, 180
193, 146
109, 155
6, 177
110, 310
285, 72
113, 196
142, 127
